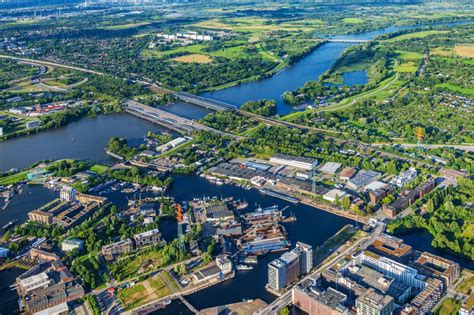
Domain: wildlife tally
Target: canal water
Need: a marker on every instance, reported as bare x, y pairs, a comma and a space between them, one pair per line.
83, 139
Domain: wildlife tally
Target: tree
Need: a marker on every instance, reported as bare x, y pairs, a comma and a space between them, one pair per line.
430, 205
284, 311
346, 202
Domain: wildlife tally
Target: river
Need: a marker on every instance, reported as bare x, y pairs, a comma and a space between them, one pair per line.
86, 139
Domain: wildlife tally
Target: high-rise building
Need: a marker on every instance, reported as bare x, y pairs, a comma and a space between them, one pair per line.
286, 269
374, 303
276, 275
67, 193
305, 253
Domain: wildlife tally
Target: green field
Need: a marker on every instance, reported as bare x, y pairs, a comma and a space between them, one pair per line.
456, 88
417, 35
466, 285
100, 169
353, 21
12, 179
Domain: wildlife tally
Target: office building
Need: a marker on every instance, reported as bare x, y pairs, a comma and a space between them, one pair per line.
376, 195
305, 253
70, 244
314, 300
438, 267
147, 238
304, 163
374, 303
224, 264
121, 247
468, 307
404, 177
67, 193
286, 269
276, 275
391, 268
391, 247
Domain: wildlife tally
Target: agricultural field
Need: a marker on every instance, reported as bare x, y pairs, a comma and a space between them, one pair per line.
409, 61
464, 51
417, 35
193, 58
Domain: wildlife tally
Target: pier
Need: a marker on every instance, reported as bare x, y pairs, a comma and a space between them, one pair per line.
188, 305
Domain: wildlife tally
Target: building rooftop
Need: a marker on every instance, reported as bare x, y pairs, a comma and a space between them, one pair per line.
301, 159
374, 299
218, 211
330, 168
147, 234
391, 246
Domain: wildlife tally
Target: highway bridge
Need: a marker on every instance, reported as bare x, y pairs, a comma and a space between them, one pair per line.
169, 120
348, 40
203, 101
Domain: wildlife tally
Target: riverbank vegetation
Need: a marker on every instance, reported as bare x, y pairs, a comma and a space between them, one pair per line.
448, 216
428, 91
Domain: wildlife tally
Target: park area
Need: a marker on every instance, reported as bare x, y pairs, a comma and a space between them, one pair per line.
159, 286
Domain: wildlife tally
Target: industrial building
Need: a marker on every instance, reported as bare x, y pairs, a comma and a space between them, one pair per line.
334, 194
362, 179
404, 201
218, 212
47, 286
304, 163
347, 173
330, 168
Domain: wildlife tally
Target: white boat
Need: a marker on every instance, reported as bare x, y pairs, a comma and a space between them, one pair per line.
243, 267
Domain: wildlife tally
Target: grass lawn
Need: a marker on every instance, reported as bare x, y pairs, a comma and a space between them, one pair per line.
193, 58
409, 61
464, 50
15, 178
353, 20
449, 306
100, 169
456, 88
159, 286
442, 51
466, 285
416, 35
134, 296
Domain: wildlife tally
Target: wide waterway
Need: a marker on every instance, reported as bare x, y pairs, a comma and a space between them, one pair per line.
87, 138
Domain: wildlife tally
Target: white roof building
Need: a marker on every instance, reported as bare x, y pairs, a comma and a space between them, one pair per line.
331, 195
330, 168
